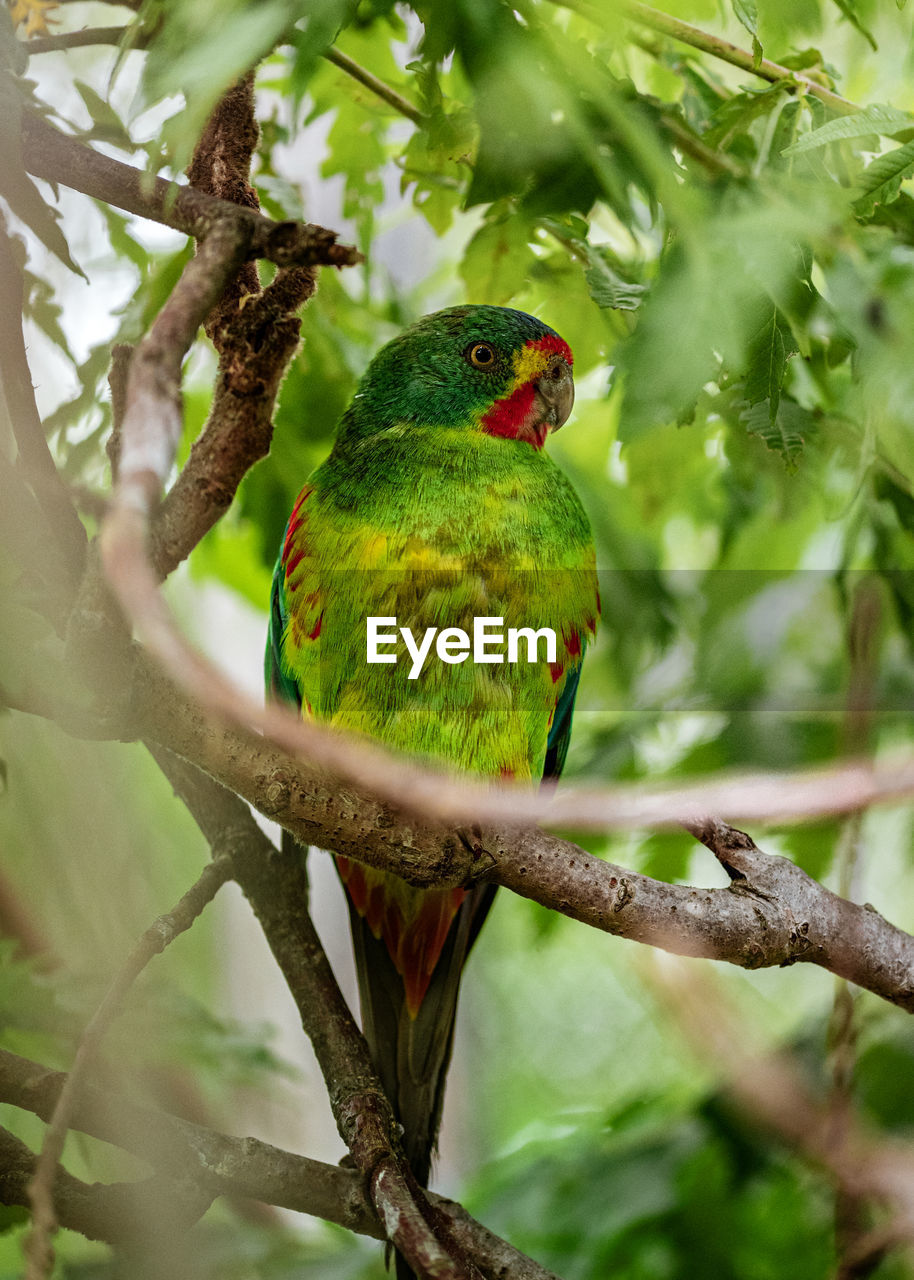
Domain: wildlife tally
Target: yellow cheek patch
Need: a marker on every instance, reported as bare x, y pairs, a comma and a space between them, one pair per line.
529, 364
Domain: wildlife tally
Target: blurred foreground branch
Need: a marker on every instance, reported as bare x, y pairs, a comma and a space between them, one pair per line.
158, 936
189, 1155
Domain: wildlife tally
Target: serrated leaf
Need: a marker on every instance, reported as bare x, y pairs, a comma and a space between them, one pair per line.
881, 180
747, 13
849, 9
609, 289
767, 363
785, 431
40, 306
879, 119
497, 260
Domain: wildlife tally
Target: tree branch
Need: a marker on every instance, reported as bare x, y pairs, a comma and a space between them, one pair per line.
276, 888
772, 913
246, 1167
115, 36
125, 1213
378, 87
773, 72
255, 332
50, 154
81, 39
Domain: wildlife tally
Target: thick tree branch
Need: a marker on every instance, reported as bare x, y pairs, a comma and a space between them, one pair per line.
256, 333
222, 1165
52, 155
772, 913
125, 1213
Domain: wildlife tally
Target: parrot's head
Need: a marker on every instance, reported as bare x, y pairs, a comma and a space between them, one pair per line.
474, 368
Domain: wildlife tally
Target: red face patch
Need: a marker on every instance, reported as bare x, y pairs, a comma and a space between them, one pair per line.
507, 416
553, 343
514, 416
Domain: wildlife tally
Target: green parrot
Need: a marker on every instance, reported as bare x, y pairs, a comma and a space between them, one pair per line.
438, 511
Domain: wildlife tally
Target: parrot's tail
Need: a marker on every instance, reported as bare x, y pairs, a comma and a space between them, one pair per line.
412, 1053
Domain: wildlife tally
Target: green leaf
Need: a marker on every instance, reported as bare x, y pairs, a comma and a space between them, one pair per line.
785, 430
767, 364
849, 9
122, 242
16, 186
108, 125
881, 180
607, 288
497, 260
877, 118
12, 1216
747, 12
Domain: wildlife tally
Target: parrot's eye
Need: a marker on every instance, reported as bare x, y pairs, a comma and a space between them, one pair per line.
481, 355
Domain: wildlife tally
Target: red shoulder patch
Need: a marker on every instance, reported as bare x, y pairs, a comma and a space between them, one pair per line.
296, 520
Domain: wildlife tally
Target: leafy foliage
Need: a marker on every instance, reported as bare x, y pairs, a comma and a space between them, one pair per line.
732, 262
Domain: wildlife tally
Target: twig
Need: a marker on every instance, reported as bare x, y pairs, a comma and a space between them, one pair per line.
156, 938
222, 1165
50, 154
378, 87
139, 40
80, 39
275, 886
773, 72
715, 162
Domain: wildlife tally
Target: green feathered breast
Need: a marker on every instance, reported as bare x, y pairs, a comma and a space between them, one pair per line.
437, 506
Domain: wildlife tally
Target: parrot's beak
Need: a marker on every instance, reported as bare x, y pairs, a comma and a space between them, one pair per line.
554, 394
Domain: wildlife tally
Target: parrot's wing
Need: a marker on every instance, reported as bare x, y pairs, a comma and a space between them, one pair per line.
279, 682
560, 732
296, 612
